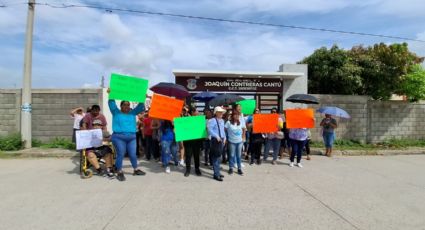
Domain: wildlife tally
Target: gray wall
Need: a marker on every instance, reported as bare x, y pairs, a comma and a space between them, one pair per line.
372, 121
50, 114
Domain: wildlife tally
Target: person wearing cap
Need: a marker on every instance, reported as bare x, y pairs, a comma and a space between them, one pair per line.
124, 134
217, 135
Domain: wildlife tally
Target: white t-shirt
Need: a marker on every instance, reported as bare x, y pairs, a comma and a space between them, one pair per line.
77, 119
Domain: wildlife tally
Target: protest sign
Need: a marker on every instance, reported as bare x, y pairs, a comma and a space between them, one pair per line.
163, 107
299, 118
128, 88
265, 123
248, 106
190, 128
88, 138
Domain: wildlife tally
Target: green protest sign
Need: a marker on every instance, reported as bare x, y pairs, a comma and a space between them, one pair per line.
128, 88
248, 106
190, 128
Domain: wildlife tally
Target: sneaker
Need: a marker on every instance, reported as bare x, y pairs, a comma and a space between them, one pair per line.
187, 173
138, 172
100, 172
120, 176
230, 171
110, 175
181, 163
299, 165
291, 164
167, 169
218, 178
273, 162
308, 157
251, 162
240, 172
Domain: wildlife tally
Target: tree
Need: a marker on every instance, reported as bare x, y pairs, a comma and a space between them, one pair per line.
332, 72
383, 67
413, 84
376, 70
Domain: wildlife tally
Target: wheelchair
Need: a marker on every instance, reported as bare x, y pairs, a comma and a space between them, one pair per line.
86, 170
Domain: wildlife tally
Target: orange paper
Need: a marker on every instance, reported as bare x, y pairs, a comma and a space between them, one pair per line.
265, 123
299, 118
166, 108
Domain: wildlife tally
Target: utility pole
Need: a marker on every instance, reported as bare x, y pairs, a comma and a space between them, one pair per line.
26, 87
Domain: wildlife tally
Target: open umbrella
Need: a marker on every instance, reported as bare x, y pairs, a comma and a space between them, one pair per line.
335, 111
204, 96
170, 89
225, 99
303, 98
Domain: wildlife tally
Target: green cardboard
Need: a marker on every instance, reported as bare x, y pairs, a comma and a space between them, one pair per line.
190, 128
248, 106
128, 88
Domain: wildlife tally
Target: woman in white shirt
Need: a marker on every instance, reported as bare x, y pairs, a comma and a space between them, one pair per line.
234, 129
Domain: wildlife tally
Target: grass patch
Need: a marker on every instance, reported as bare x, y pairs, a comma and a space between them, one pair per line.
11, 142
4, 155
341, 144
59, 142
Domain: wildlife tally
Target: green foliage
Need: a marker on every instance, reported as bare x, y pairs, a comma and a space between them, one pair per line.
402, 143
332, 72
377, 70
413, 84
11, 142
36, 143
60, 142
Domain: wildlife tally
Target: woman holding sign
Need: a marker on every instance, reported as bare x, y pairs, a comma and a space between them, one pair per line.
124, 134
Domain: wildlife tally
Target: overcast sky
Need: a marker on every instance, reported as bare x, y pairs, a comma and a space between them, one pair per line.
74, 47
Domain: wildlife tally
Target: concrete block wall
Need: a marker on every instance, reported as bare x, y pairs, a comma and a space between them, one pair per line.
395, 120
355, 128
51, 107
10, 101
50, 110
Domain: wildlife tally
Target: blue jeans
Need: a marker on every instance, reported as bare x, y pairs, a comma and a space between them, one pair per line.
275, 144
168, 149
125, 142
235, 154
328, 138
297, 149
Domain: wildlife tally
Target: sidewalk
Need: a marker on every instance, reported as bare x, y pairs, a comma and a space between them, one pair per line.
56, 152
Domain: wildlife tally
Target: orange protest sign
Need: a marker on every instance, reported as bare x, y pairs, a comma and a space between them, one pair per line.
265, 123
299, 118
166, 108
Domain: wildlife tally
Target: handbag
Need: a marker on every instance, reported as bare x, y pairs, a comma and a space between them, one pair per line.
216, 147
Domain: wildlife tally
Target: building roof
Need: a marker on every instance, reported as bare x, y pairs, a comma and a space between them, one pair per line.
234, 74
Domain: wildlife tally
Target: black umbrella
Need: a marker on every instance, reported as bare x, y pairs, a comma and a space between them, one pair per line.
303, 98
225, 99
170, 89
204, 96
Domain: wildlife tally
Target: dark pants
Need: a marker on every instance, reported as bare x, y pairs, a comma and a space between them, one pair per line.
255, 151
139, 143
307, 147
156, 149
148, 147
297, 148
207, 156
191, 149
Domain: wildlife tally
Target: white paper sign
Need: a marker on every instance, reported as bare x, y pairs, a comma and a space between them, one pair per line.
88, 138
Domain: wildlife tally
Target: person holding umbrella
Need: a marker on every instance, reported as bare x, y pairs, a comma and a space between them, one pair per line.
329, 125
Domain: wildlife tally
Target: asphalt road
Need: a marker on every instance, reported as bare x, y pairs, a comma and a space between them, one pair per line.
328, 193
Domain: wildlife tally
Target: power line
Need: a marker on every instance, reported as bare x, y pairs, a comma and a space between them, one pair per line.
110, 9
